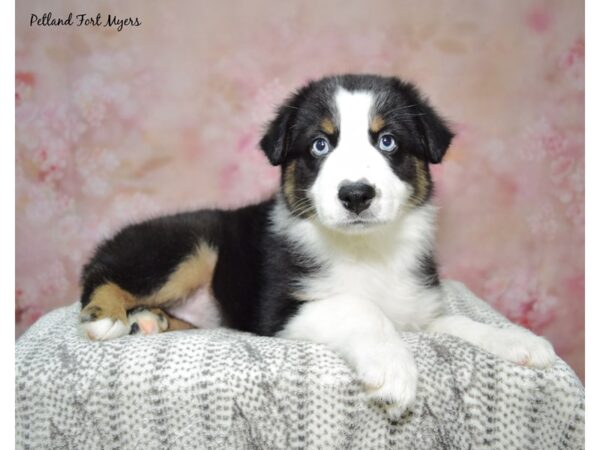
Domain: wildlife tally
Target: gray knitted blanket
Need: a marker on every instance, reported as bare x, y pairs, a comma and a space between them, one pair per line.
222, 389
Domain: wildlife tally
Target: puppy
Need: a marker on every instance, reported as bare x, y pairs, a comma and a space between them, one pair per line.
342, 255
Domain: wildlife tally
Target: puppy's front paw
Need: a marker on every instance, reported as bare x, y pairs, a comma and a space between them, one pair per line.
520, 347
390, 378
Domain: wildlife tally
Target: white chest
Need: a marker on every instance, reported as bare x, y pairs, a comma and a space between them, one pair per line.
381, 268
390, 283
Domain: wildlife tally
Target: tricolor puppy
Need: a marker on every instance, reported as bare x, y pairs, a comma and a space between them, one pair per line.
341, 255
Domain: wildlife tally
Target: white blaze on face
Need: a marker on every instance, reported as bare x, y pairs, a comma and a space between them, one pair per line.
356, 159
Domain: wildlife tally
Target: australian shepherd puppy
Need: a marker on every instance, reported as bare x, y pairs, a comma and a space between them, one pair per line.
342, 255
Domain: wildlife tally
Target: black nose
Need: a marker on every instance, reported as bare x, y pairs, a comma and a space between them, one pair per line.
356, 197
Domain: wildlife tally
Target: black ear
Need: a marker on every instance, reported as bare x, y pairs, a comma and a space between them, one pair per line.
274, 142
434, 135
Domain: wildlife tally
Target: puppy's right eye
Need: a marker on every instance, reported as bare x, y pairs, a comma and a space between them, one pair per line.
320, 147
387, 143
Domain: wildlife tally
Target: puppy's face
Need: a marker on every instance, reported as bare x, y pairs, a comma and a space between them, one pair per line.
355, 150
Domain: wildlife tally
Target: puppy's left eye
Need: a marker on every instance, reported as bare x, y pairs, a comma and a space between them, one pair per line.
320, 147
386, 143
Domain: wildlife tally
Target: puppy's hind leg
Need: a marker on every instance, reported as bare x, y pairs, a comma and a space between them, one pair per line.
148, 321
105, 315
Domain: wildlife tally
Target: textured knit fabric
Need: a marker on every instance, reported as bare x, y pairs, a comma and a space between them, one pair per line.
224, 389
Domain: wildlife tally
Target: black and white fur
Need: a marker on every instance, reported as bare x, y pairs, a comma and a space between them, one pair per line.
342, 255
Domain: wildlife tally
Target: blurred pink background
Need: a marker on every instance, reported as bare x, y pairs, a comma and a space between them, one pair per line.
113, 127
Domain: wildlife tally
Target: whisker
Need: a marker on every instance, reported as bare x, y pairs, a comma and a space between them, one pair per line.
301, 202
401, 108
303, 211
304, 208
303, 199
413, 115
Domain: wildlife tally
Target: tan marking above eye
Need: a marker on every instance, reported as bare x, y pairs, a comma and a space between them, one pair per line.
377, 124
327, 126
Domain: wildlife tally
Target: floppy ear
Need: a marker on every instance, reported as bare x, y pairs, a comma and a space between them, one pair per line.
274, 142
434, 134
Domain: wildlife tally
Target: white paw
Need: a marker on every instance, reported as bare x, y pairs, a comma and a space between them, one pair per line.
390, 377
520, 347
146, 322
103, 329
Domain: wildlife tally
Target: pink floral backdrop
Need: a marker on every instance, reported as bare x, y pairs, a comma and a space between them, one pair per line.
116, 126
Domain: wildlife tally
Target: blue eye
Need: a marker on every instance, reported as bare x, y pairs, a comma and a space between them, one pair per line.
320, 147
387, 143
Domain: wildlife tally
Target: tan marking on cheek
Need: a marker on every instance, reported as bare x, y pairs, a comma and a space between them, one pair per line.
195, 271
422, 183
289, 183
327, 126
377, 124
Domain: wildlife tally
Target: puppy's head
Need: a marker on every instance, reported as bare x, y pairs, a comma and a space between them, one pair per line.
355, 150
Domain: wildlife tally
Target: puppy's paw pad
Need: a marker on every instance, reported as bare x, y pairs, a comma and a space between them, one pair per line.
104, 329
147, 322
397, 394
522, 347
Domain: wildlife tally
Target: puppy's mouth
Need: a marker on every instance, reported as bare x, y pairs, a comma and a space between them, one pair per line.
359, 224
344, 221
359, 221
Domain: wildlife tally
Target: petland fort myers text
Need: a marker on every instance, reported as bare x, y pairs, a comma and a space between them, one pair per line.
83, 20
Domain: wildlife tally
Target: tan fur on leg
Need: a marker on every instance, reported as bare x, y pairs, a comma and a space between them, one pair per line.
178, 324
105, 316
108, 300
